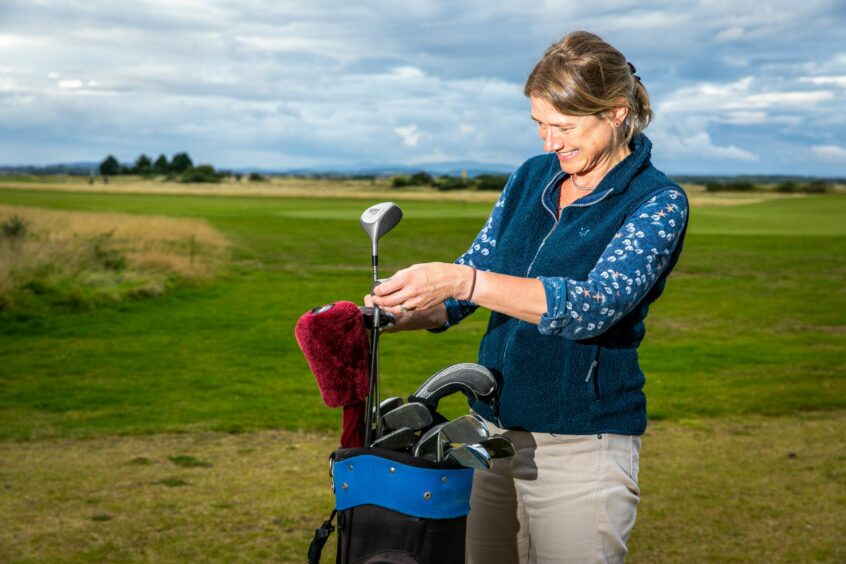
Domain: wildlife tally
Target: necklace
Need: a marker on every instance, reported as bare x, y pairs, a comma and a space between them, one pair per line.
573, 180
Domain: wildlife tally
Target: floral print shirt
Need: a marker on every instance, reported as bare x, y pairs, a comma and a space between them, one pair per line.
624, 274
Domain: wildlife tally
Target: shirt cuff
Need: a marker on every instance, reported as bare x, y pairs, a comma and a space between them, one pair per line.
555, 319
453, 310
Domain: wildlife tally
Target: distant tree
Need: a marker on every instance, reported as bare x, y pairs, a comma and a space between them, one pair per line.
421, 178
161, 166
256, 177
450, 183
491, 181
143, 165
817, 187
110, 166
201, 173
401, 181
181, 162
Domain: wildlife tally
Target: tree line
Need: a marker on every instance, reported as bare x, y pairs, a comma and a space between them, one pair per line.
180, 168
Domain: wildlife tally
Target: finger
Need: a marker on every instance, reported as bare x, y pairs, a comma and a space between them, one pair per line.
368, 300
392, 300
392, 284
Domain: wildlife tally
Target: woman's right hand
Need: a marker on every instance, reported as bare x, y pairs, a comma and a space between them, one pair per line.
408, 320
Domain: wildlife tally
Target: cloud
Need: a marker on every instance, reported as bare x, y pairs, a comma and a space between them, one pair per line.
823, 80
284, 83
832, 153
729, 34
410, 135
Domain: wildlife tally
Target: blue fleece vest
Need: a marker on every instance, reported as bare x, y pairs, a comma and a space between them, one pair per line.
549, 383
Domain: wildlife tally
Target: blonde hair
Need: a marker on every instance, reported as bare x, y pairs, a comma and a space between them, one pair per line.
583, 75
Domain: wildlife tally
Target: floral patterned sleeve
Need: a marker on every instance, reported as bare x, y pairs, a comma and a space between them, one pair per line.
480, 256
627, 270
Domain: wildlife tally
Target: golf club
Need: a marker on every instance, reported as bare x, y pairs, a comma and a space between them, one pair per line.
385, 406
376, 221
464, 429
474, 380
471, 456
401, 439
413, 415
497, 446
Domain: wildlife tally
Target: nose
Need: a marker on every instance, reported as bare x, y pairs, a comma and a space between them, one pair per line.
550, 142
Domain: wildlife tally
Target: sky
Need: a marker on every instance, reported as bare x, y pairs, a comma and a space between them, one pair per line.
737, 87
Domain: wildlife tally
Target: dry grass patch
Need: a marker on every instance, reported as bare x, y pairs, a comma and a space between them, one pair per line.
79, 259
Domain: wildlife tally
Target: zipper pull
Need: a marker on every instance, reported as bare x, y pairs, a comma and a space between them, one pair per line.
590, 370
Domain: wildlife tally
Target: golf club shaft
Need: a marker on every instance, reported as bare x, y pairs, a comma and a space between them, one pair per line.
373, 387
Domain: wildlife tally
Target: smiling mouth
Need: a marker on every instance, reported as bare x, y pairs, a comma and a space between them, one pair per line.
567, 154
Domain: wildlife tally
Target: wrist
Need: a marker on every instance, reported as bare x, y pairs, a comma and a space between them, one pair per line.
468, 283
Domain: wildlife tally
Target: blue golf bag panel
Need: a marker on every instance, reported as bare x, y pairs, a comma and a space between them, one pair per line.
394, 507
427, 493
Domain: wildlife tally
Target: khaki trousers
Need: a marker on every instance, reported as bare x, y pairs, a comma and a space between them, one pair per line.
560, 498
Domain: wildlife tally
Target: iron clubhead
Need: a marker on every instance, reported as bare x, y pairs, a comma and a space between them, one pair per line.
413, 415
401, 439
496, 446
470, 456
429, 443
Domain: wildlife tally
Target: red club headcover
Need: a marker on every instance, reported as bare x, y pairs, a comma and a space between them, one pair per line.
336, 346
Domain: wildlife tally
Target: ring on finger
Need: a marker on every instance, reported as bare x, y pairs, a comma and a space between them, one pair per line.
403, 309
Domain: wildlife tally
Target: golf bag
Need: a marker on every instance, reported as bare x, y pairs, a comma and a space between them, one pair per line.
395, 508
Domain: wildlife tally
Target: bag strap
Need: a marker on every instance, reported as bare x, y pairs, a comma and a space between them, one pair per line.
321, 535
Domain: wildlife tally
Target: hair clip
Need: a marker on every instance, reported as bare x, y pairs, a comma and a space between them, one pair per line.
633, 70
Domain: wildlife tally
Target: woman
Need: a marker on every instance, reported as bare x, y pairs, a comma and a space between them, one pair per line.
578, 246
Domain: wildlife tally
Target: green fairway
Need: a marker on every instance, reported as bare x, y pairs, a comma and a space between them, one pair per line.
105, 415
752, 320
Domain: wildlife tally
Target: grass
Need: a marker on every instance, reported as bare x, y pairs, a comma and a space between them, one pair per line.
743, 355
763, 489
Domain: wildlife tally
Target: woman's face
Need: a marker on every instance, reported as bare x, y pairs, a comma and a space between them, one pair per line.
583, 144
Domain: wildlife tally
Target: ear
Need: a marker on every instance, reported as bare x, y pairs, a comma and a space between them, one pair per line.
618, 115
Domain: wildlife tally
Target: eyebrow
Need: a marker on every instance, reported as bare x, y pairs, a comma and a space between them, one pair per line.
536, 120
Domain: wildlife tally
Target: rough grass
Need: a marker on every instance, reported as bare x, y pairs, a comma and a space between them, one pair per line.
751, 489
78, 259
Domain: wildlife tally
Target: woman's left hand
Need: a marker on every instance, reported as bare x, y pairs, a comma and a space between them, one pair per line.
423, 286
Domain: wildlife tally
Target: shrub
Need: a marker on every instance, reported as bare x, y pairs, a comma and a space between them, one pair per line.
401, 181
421, 178
416, 179
491, 181
817, 187
450, 183
256, 177
14, 227
787, 187
202, 173
733, 186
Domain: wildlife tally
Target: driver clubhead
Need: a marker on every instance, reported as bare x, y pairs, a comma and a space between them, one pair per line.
379, 219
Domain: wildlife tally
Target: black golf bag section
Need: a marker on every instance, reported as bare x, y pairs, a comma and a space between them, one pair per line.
396, 508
